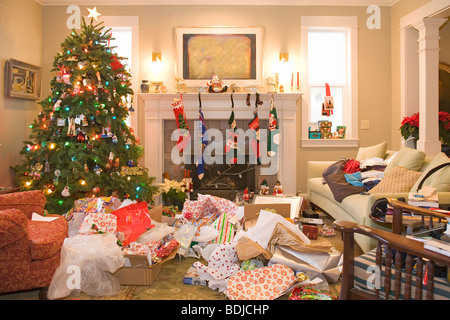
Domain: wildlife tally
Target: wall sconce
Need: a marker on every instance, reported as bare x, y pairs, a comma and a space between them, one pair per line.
156, 56
284, 56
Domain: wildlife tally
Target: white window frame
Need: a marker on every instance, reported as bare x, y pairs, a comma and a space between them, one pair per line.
133, 22
350, 113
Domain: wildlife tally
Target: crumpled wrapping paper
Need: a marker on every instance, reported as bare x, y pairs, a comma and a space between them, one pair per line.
222, 264
207, 205
266, 283
313, 264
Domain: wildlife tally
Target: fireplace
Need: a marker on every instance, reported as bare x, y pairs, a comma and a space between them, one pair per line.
220, 178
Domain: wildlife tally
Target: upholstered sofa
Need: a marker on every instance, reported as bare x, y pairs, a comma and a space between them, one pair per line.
29, 249
357, 207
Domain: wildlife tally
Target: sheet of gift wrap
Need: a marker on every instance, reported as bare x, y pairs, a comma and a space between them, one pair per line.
328, 264
222, 264
225, 229
98, 221
267, 283
207, 205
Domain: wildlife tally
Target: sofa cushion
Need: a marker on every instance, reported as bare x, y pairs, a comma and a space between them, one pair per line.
46, 237
376, 151
408, 158
397, 180
440, 179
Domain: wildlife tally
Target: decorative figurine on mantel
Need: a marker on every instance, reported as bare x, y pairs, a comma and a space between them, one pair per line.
278, 189
181, 85
216, 85
264, 188
272, 83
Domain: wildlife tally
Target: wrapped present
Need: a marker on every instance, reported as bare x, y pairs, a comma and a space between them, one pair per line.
139, 248
267, 283
167, 248
92, 205
98, 222
310, 293
133, 221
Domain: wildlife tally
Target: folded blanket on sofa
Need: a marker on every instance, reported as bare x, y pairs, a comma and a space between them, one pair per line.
335, 178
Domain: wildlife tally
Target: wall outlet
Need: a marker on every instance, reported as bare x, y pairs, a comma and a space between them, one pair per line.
365, 124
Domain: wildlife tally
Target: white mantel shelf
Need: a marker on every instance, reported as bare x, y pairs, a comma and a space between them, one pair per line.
158, 107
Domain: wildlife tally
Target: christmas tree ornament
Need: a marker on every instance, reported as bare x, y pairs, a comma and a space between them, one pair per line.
97, 169
180, 116
71, 130
65, 192
273, 140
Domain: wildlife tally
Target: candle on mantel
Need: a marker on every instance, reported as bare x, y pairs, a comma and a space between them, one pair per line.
298, 81
292, 81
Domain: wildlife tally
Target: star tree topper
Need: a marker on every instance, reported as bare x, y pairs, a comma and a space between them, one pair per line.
93, 13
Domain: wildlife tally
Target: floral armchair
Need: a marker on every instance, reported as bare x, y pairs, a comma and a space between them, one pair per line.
29, 249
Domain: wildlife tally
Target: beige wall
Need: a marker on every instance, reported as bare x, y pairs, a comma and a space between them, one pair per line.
21, 39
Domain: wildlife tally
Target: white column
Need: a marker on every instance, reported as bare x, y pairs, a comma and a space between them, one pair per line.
429, 84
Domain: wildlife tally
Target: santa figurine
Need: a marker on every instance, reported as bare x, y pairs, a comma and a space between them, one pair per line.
245, 196
216, 85
278, 189
264, 188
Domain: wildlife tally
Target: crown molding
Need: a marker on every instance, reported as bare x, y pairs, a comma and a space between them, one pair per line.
228, 2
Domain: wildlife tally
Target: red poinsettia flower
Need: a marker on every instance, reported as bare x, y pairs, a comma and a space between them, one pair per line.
410, 127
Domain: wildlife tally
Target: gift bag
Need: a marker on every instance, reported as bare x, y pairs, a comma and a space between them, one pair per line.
133, 221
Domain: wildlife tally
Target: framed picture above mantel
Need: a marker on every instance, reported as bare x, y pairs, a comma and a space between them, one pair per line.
234, 54
22, 80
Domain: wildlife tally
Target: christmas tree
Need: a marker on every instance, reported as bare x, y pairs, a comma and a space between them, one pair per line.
80, 145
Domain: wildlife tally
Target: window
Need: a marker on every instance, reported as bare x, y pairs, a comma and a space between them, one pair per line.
329, 56
125, 34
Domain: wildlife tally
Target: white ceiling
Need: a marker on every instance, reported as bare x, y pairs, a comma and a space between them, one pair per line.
224, 2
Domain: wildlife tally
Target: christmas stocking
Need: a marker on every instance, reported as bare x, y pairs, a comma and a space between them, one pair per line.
180, 116
254, 143
273, 140
204, 140
231, 147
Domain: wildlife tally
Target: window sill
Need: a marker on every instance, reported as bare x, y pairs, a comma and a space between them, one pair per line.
330, 143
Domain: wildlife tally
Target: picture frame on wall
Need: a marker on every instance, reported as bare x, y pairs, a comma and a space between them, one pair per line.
234, 54
22, 80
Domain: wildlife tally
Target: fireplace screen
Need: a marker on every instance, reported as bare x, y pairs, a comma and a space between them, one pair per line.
220, 179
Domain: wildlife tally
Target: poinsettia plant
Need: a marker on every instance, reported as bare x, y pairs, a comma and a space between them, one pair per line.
173, 192
410, 127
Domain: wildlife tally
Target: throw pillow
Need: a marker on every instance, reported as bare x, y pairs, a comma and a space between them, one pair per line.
408, 158
398, 180
376, 151
440, 179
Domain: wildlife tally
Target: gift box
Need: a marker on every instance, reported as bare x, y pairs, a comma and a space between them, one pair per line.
251, 212
311, 231
138, 269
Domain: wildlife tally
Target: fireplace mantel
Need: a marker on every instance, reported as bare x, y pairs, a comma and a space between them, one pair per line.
157, 108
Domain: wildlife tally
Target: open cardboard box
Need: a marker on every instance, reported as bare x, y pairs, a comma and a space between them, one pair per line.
137, 269
251, 212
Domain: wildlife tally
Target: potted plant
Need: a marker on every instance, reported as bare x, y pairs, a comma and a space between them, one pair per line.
409, 128
173, 193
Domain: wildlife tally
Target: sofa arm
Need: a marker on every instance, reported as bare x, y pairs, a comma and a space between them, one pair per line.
13, 226
315, 169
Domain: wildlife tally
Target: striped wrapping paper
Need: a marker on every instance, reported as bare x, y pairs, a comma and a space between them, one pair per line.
225, 228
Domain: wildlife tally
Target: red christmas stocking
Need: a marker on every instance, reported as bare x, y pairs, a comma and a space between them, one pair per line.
231, 147
180, 116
